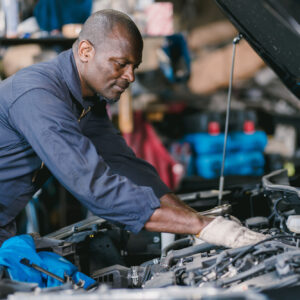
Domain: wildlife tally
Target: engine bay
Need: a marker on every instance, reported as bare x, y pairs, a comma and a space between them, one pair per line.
139, 268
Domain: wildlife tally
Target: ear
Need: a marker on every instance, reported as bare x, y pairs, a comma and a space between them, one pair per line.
86, 51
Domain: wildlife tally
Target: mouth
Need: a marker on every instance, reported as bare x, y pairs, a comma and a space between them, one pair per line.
121, 88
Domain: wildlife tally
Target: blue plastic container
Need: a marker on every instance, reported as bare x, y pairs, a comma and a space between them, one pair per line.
255, 141
244, 152
245, 163
240, 163
204, 143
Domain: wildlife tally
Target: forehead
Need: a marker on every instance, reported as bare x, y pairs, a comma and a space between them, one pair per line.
121, 44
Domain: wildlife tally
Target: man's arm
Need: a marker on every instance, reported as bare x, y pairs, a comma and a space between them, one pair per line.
176, 217
173, 215
173, 200
50, 127
116, 153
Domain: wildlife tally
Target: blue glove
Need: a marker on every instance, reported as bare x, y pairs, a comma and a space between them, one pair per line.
21, 247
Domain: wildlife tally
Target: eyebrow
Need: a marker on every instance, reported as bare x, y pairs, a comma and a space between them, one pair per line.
127, 61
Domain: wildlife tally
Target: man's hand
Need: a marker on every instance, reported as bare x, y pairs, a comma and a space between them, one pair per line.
229, 234
175, 216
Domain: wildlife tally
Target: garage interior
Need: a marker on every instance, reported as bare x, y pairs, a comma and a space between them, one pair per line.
216, 115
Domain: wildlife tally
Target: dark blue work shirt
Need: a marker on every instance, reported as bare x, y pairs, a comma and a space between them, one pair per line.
39, 110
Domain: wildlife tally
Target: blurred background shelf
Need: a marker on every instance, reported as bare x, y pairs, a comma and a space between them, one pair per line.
49, 41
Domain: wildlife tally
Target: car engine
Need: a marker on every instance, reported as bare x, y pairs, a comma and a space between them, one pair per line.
136, 267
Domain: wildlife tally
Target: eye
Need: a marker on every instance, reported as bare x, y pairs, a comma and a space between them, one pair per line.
121, 64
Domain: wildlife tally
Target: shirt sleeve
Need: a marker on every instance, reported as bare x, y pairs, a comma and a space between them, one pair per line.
51, 129
116, 153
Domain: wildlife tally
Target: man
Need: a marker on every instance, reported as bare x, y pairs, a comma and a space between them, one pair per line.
54, 113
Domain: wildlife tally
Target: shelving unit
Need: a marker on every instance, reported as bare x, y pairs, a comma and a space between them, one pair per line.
48, 41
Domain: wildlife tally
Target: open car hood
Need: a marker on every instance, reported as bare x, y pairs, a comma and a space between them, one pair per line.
272, 28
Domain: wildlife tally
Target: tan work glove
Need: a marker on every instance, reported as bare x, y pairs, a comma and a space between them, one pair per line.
229, 233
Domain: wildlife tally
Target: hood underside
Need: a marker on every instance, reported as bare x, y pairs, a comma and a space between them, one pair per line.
272, 28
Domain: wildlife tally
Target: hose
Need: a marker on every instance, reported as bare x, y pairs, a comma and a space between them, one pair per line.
181, 243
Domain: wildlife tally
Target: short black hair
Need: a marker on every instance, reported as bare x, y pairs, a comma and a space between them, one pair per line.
101, 23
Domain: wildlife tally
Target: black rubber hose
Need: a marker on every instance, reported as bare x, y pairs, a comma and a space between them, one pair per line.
249, 248
243, 275
185, 242
177, 254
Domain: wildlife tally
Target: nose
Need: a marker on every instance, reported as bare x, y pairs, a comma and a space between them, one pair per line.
129, 74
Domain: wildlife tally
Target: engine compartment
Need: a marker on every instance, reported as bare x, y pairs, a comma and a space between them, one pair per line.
137, 267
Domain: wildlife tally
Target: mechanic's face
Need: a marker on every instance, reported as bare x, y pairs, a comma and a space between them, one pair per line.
109, 68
